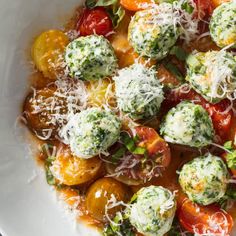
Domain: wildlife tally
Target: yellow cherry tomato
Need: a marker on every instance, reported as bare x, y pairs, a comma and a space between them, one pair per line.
71, 170
100, 196
48, 52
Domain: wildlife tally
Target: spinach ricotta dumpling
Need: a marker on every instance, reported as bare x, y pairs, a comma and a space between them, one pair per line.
223, 24
212, 74
204, 179
91, 132
152, 211
188, 124
91, 58
138, 91
153, 32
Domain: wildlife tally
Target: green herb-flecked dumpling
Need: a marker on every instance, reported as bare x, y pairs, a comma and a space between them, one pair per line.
91, 132
138, 91
212, 74
223, 24
152, 32
152, 211
91, 58
188, 124
204, 179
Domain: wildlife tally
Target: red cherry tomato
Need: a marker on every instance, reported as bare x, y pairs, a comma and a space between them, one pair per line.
95, 21
204, 8
220, 113
136, 169
155, 145
205, 220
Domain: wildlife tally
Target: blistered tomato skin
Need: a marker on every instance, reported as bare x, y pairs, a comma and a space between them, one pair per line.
152, 211
223, 25
150, 36
212, 74
204, 179
187, 124
91, 132
95, 21
91, 58
102, 194
138, 91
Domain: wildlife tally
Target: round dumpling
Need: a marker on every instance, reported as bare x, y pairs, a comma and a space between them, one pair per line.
223, 24
91, 132
91, 58
188, 124
212, 74
138, 91
204, 179
152, 32
152, 211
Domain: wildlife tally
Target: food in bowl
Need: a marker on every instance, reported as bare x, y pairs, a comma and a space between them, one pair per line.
132, 104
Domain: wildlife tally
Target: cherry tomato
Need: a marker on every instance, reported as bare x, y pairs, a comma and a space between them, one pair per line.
216, 3
204, 8
135, 169
155, 145
95, 21
103, 192
135, 5
220, 113
205, 220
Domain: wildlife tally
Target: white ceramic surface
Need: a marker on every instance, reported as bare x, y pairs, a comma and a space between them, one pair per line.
27, 205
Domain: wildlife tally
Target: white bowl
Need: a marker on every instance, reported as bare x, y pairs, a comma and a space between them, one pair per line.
27, 205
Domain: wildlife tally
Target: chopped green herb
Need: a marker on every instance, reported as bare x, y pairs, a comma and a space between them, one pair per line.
121, 226
118, 154
231, 156
49, 176
99, 3
187, 7
180, 53
175, 71
229, 146
229, 195
117, 13
114, 9
176, 230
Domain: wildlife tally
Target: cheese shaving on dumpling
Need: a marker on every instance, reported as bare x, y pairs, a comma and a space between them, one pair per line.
176, 15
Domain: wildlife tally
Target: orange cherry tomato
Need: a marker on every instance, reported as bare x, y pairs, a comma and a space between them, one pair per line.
205, 220
135, 5
216, 3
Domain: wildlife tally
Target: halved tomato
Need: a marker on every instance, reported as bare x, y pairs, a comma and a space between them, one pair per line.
133, 168
205, 220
